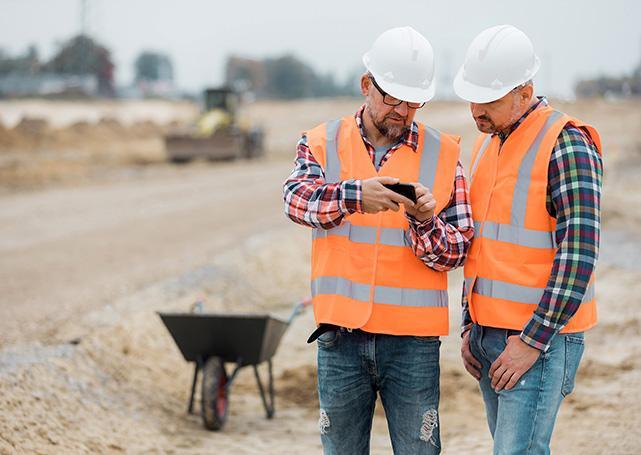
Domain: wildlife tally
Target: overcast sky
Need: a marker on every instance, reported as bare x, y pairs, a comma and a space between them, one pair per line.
573, 38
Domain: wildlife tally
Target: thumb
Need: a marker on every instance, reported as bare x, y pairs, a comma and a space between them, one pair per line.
385, 180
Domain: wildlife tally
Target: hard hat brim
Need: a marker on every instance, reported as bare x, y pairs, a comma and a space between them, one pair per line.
477, 94
405, 93
473, 93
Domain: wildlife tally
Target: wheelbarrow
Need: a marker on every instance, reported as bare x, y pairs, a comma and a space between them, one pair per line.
211, 340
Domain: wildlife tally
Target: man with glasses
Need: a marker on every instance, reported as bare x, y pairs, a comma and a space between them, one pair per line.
380, 259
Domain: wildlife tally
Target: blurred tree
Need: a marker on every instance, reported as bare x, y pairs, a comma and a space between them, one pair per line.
622, 87
81, 56
28, 63
288, 77
609, 86
636, 80
153, 66
245, 74
283, 77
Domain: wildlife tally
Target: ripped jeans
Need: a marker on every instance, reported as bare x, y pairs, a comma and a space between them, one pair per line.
354, 366
521, 420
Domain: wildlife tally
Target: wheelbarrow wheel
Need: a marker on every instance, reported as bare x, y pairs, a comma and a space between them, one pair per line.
214, 395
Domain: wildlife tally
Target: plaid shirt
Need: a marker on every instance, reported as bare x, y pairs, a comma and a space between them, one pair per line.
440, 242
574, 199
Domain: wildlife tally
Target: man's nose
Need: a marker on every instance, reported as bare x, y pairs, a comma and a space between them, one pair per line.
402, 109
477, 109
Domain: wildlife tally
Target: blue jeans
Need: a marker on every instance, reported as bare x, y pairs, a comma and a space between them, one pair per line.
354, 366
521, 420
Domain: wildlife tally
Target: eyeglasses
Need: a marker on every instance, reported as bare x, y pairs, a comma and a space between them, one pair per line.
391, 101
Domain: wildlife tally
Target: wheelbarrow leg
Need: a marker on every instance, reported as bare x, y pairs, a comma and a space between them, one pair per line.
269, 405
197, 367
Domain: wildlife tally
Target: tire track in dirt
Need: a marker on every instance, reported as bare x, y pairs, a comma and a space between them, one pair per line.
71, 250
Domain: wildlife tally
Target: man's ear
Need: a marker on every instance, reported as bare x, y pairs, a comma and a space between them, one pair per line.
365, 85
526, 94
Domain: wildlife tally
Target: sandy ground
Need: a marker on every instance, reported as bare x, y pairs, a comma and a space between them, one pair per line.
86, 366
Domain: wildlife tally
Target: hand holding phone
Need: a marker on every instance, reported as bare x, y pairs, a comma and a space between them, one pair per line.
404, 189
425, 204
376, 197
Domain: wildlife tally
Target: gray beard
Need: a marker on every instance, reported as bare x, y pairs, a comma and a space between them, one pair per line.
393, 133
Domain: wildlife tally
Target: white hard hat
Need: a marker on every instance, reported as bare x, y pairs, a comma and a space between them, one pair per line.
402, 63
498, 60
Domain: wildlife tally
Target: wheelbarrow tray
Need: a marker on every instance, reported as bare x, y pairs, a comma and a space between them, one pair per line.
243, 339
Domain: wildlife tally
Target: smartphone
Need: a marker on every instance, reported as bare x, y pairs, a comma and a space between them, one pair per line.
404, 189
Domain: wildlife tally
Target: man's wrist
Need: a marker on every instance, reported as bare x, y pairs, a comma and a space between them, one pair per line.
420, 226
538, 333
534, 343
352, 195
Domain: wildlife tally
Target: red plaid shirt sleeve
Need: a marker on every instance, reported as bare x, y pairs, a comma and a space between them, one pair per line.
442, 241
312, 202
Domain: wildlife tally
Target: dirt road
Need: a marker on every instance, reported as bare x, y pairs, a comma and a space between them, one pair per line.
86, 366
70, 250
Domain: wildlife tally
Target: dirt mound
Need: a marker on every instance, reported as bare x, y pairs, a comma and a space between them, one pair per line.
7, 137
35, 127
111, 124
34, 153
593, 368
89, 135
26, 136
146, 129
458, 388
298, 386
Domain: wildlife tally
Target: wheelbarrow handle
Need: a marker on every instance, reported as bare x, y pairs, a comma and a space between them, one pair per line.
298, 308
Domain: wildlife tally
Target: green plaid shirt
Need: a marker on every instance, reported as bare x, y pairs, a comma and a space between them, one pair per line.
574, 199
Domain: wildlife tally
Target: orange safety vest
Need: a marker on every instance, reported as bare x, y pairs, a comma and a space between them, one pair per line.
364, 272
511, 257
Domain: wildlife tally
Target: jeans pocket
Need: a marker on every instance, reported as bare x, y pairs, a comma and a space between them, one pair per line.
473, 341
427, 339
574, 346
328, 339
509, 333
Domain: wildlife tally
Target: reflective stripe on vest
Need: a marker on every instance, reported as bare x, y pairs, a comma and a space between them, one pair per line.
382, 294
332, 162
515, 232
516, 293
479, 155
519, 200
429, 160
365, 234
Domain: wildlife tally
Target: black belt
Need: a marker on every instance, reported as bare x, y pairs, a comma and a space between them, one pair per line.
320, 330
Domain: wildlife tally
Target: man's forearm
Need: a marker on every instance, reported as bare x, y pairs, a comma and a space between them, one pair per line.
312, 202
440, 245
442, 241
320, 205
575, 174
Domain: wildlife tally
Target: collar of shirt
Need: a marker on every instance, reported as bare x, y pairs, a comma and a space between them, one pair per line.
410, 138
542, 101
